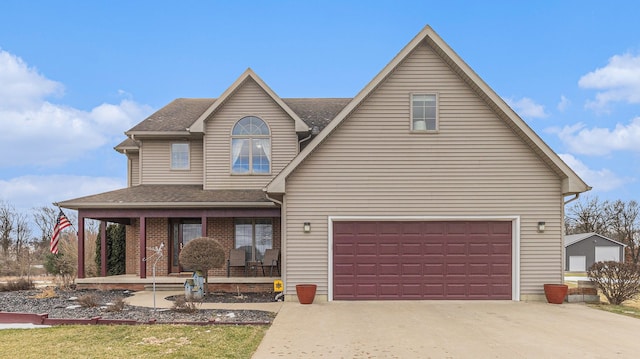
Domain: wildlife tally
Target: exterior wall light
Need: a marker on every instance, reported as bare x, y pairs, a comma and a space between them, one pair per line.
541, 225
306, 227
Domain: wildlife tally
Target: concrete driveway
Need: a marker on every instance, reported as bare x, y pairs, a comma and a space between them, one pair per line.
449, 329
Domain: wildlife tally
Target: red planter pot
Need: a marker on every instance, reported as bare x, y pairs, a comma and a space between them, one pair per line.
306, 293
555, 293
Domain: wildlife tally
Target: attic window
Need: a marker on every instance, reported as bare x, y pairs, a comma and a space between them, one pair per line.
250, 147
179, 156
424, 110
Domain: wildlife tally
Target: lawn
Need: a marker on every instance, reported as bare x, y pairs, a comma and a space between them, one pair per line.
137, 341
619, 309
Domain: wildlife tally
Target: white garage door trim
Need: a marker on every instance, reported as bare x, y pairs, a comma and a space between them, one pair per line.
607, 253
577, 263
515, 241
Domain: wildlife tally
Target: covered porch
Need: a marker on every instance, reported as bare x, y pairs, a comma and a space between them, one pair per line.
164, 218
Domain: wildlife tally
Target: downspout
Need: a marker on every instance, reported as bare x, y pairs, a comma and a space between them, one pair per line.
304, 140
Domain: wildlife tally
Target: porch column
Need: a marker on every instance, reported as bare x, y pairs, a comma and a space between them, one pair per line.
204, 226
103, 248
143, 247
80, 245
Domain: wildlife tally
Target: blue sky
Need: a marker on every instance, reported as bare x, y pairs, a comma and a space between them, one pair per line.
74, 75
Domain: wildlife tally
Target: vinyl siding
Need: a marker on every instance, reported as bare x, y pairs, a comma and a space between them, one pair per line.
248, 100
156, 163
134, 169
373, 166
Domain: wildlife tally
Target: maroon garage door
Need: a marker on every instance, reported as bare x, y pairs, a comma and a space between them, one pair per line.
422, 260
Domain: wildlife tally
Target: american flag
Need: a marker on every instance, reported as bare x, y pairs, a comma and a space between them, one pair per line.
62, 223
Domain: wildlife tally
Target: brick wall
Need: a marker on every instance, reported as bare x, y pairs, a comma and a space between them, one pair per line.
132, 248
158, 231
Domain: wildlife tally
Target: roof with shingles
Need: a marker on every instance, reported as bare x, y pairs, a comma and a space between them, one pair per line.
157, 196
181, 113
178, 115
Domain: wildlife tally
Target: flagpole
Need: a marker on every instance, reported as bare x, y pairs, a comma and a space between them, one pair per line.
60, 209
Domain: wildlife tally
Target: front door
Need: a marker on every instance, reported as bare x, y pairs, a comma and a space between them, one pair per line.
182, 231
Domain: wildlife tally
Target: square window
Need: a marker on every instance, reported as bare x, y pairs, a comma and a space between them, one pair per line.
255, 236
424, 112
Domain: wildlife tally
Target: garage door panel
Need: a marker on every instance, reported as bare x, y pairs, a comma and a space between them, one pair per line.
422, 260
366, 290
389, 290
346, 249
479, 249
456, 248
411, 269
366, 269
389, 249
366, 249
344, 269
434, 248
501, 269
390, 269
501, 248
482, 269
433, 269
456, 269
478, 228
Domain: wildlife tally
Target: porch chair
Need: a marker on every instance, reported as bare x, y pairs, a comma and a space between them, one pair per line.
271, 259
236, 259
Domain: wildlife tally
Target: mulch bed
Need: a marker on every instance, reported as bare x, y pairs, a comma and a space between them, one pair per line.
67, 305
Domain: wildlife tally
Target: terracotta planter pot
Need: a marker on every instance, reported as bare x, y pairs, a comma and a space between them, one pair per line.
306, 293
555, 293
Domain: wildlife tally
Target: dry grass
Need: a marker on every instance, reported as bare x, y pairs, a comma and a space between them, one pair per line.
138, 341
48, 292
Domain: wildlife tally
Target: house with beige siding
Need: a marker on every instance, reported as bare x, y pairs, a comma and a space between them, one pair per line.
425, 185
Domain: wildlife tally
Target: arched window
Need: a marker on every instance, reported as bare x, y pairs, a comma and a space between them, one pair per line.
250, 147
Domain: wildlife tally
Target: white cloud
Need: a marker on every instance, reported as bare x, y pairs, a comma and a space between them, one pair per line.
526, 107
601, 141
619, 81
34, 131
22, 86
563, 104
601, 180
27, 192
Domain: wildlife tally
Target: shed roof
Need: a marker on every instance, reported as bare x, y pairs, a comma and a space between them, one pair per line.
161, 196
575, 238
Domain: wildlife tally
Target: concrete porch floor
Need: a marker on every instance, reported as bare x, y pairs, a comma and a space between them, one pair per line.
134, 282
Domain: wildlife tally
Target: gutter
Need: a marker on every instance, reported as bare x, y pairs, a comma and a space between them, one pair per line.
577, 195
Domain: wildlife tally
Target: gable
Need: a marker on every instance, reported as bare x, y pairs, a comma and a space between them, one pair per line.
249, 99
571, 183
474, 153
198, 125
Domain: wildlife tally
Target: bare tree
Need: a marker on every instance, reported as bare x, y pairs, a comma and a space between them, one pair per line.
7, 214
22, 233
624, 225
45, 218
587, 216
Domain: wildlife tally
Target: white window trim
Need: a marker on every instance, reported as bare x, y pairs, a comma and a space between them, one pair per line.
411, 129
188, 167
251, 137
